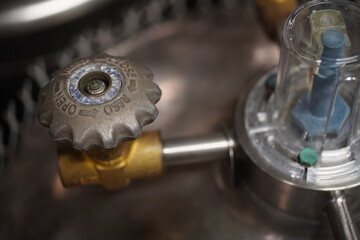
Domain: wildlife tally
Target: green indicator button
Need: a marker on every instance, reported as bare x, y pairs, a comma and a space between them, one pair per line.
308, 157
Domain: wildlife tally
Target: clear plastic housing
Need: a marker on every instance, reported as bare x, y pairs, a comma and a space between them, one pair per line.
316, 100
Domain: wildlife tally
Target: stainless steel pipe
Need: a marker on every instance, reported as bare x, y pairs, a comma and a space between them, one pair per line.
340, 217
206, 148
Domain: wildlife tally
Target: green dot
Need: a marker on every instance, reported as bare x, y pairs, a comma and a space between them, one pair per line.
308, 157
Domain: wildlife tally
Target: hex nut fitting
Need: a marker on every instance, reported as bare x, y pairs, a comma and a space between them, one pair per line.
98, 102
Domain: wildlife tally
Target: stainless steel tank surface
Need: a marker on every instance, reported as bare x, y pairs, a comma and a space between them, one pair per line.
201, 63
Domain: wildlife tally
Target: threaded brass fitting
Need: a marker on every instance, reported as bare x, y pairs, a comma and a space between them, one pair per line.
114, 169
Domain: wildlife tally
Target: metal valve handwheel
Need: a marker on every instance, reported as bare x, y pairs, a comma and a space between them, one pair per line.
98, 102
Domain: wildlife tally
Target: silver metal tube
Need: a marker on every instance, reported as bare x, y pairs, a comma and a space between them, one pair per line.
341, 220
207, 148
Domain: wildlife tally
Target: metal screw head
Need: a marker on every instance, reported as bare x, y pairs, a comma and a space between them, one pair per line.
95, 87
94, 83
308, 157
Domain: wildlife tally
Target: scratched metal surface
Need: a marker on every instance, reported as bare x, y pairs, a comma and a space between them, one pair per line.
201, 63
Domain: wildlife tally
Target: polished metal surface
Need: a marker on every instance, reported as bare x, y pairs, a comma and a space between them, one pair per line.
341, 219
197, 149
201, 64
186, 203
299, 202
19, 17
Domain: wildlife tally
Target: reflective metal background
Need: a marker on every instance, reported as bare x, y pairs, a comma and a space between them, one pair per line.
20, 16
201, 62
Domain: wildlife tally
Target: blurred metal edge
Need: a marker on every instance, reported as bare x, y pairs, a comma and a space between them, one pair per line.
20, 19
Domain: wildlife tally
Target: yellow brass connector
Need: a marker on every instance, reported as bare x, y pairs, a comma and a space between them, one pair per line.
114, 169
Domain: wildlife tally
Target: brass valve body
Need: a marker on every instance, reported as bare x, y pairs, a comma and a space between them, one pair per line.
114, 169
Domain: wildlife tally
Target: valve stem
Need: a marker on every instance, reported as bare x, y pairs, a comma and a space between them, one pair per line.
311, 114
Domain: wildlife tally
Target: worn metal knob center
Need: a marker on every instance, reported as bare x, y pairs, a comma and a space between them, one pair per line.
95, 87
94, 83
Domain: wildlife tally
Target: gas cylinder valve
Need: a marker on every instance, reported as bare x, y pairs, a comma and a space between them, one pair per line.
95, 105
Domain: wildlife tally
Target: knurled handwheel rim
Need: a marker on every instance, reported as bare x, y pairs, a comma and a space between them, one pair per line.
102, 121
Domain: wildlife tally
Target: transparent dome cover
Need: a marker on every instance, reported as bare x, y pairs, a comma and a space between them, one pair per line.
316, 102
316, 96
